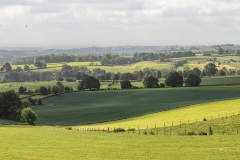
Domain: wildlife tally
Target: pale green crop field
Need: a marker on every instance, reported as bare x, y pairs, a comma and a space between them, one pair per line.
192, 113
42, 143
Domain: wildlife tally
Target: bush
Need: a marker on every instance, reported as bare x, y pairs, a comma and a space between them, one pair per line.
26, 103
191, 133
145, 132
152, 133
28, 116
161, 85
67, 89
131, 129
119, 130
202, 133
39, 101
32, 101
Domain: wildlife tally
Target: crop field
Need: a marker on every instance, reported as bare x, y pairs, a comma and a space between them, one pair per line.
189, 114
92, 107
42, 143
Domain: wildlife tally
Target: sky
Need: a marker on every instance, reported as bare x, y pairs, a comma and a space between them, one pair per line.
34, 23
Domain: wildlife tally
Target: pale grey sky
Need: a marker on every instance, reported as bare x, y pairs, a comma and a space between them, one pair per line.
118, 22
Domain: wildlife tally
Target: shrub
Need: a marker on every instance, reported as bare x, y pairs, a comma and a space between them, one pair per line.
191, 133
131, 129
26, 103
32, 101
161, 85
202, 133
119, 130
145, 132
67, 89
135, 87
28, 116
152, 133
39, 101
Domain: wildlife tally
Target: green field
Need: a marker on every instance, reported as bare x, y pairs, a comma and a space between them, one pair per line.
91, 107
40, 143
235, 80
189, 114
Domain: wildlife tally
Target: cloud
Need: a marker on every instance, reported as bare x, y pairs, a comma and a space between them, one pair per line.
120, 22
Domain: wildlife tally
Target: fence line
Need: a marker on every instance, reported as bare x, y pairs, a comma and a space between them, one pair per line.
165, 128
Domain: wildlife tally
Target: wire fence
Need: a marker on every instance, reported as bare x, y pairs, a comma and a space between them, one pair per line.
185, 127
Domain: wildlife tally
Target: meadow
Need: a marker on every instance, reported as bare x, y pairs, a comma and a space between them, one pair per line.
42, 142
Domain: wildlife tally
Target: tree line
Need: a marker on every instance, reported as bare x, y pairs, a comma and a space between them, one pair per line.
105, 59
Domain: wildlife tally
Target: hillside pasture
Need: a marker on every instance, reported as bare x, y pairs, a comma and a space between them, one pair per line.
92, 107
189, 114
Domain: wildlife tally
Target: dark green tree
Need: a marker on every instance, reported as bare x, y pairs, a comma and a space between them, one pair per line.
7, 67
55, 89
222, 72
21, 89
197, 71
174, 79
26, 68
126, 84
150, 81
39, 101
210, 69
193, 80
60, 86
43, 90
220, 51
89, 82
10, 105
238, 53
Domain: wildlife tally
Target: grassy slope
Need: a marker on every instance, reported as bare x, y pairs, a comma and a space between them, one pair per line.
92, 107
40, 143
220, 126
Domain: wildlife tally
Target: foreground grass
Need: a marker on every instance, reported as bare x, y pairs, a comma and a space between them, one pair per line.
92, 107
40, 143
